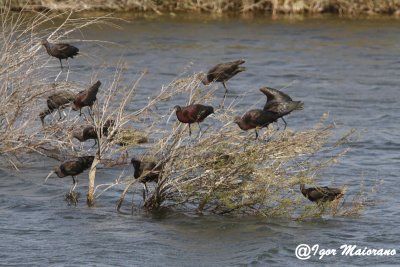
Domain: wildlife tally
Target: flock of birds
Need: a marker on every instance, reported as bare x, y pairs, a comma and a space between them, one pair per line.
277, 106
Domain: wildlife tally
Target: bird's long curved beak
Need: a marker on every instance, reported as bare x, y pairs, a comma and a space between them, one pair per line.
228, 123
51, 173
170, 115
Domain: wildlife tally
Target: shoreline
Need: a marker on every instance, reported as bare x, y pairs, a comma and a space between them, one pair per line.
224, 7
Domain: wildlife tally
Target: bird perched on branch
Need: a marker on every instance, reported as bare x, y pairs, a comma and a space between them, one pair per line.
60, 51
193, 113
280, 103
89, 132
223, 72
72, 167
149, 170
254, 119
321, 194
86, 98
57, 101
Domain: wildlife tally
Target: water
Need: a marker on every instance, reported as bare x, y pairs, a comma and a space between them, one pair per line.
346, 67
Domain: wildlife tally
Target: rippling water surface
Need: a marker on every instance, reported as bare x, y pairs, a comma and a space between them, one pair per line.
349, 68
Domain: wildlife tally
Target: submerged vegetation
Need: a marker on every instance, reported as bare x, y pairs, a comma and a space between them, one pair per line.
221, 170
343, 7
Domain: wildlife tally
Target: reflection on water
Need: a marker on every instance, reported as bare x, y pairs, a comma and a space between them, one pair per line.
346, 67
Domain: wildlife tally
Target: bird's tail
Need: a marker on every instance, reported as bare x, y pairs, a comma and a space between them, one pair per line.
92, 93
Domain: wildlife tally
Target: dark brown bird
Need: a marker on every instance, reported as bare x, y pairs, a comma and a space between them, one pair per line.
57, 101
321, 194
89, 132
72, 167
193, 113
223, 72
60, 51
86, 98
255, 118
280, 103
150, 170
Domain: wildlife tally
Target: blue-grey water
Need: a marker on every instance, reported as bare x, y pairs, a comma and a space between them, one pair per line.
347, 67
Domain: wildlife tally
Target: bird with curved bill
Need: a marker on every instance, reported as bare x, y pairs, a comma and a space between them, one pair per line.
222, 73
255, 119
60, 51
194, 113
86, 98
280, 103
147, 171
72, 167
57, 101
321, 194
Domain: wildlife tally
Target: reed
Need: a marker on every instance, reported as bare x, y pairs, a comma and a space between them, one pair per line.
342, 7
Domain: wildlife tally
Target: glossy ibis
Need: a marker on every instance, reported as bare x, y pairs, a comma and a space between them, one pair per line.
193, 113
321, 194
72, 167
223, 72
280, 103
86, 98
57, 101
89, 132
149, 169
255, 118
60, 51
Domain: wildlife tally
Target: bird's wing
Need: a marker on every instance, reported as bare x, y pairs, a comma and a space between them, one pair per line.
275, 106
62, 47
275, 95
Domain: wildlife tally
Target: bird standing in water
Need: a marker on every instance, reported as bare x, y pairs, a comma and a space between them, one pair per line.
255, 118
60, 51
57, 101
321, 194
280, 103
151, 171
193, 113
222, 73
72, 167
86, 98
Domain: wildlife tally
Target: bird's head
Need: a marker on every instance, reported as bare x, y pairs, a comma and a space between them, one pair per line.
177, 108
203, 78
57, 171
237, 120
44, 42
135, 163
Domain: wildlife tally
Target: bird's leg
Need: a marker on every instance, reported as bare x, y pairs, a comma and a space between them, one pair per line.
61, 64
80, 112
221, 105
91, 113
59, 113
67, 70
256, 133
145, 191
190, 131
58, 75
284, 122
74, 184
95, 143
199, 130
